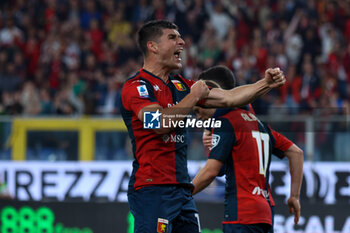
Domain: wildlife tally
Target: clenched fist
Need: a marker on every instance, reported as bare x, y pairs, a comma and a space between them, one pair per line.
200, 89
274, 77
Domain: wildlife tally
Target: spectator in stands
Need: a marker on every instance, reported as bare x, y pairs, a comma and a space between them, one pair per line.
109, 98
46, 104
141, 12
10, 80
11, 103
159, 9
74, 10
195, 20
30, 99
10, 33
90, 12
120, 29
3, 61
310, 87
95, 33
219, 19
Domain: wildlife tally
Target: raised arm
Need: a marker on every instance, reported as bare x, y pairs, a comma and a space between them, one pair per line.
295, 157
246, 94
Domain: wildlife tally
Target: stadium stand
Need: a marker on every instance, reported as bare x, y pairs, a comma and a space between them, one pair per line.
71, 57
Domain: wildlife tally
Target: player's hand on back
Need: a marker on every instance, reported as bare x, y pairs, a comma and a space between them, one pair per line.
274, 77
207, 139
200, 90
294, 208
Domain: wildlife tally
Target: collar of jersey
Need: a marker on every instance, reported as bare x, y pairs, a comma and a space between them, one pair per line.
222, 111
149, 74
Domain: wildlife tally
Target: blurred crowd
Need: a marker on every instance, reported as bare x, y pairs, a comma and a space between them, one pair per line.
71, 57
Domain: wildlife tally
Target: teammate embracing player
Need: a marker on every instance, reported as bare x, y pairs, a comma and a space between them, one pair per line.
242, 147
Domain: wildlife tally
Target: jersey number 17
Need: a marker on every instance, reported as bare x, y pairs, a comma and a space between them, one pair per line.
263, 144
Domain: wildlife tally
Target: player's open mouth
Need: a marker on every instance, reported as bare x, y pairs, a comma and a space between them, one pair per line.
177, 54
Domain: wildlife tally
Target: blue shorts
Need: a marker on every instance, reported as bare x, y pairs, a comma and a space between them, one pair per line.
164, 208
249, 228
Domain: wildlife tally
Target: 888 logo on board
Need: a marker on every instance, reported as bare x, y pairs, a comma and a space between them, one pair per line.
27, 220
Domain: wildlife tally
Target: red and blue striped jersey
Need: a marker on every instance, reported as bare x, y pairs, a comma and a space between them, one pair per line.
245, 145
158, 159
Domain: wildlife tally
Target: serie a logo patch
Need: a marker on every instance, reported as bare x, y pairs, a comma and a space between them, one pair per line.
142, 89
179, 86
162, 225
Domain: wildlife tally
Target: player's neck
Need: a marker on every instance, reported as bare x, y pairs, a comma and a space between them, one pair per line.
157, 70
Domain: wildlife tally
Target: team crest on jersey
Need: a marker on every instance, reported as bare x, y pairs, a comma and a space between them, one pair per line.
162, 225
215, 140
179, 86
143, 91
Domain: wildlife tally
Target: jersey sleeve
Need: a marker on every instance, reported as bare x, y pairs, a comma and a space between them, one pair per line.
281, 143
223, 140
137, 94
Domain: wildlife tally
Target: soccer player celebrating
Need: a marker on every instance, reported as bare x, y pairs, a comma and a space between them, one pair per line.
160, 188
242, 147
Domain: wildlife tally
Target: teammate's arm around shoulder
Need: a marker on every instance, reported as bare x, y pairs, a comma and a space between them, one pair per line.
207, 138
295, 157
206, 175
246, 94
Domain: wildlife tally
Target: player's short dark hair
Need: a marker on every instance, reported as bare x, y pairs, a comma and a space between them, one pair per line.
218, 76
152, 30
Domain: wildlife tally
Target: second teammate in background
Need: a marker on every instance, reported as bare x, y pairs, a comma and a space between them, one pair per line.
242, 148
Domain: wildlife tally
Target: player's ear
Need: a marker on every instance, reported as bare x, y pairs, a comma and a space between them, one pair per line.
152, 46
